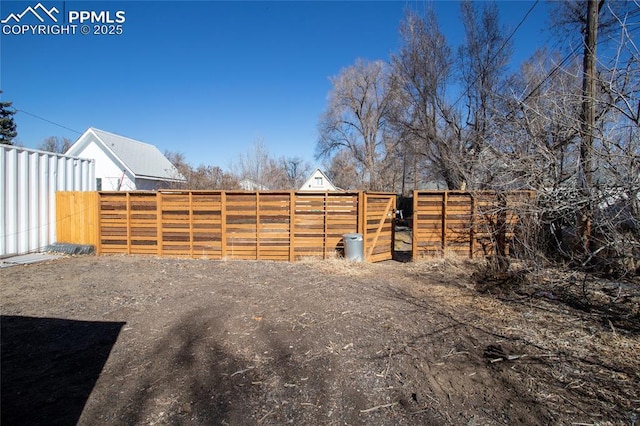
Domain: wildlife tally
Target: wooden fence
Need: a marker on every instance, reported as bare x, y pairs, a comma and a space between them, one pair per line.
77, 217
469, 224
286, 225
227, 225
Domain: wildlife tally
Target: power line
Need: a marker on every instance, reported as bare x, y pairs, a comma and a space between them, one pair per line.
550, 74
557, 67
48, 121
504, 44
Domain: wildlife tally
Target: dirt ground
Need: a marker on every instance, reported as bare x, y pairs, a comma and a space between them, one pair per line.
143, 340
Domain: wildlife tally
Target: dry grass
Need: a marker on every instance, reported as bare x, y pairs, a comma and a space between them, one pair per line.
337, 265
448, 262
565, 348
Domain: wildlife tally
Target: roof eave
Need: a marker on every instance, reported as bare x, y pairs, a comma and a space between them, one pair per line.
161, 178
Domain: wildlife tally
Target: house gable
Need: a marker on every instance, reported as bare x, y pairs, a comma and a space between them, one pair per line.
318, 181
124, 163
111, 173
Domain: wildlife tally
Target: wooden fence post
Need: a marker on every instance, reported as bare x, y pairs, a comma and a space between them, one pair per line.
445, 201
258, 225
223, 225
472, 230
325, 200
159, 239
128, 210
501, 226
292, 221
414, 226
97, 202
190, 223
362, 203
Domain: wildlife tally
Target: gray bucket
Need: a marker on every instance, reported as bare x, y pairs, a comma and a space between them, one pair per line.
354, 247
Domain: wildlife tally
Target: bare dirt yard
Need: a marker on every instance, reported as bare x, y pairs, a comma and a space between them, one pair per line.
141, 340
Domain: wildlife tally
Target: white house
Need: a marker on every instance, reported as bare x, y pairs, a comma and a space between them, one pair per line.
252, 185
318, 181
124, 164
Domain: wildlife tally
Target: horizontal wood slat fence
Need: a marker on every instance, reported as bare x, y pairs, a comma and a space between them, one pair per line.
471, 224
227, 225
288, 226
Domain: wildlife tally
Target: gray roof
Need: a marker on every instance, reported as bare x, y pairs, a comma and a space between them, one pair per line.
143, 159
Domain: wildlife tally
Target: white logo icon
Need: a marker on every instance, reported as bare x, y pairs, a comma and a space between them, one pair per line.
34, 11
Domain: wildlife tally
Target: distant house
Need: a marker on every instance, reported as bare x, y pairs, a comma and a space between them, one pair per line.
124, 164
318, 181
252, 185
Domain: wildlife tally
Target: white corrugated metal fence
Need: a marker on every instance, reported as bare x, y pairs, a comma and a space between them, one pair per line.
29, 180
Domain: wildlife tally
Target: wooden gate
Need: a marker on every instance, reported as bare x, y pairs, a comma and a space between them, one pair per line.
377, 220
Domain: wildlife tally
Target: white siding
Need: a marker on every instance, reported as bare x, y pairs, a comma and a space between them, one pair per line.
28, 182
108, 168
318, 182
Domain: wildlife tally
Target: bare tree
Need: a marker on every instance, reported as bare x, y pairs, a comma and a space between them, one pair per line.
540, 133
568, 128
182, 166
482, 63
212, 177
580, 149
538, 146
429, 127
258, 170
343, 170
296, 170
615, 239
55, 144
454, 142
202, 177
356, 119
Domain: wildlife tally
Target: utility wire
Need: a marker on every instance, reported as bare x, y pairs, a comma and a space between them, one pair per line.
550, 74
557, 67
48, 121
504, 44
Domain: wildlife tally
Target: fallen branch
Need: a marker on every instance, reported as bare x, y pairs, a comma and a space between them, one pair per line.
386, 370
242, 371
452, 353
265, 416
377, 407
508, 358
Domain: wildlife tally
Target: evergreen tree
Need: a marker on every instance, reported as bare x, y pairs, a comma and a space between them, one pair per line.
7, 125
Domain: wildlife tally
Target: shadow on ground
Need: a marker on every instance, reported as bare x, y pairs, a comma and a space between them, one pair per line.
50, 366
205, 370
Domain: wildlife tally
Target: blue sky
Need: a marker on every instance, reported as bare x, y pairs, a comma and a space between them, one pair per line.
209, 78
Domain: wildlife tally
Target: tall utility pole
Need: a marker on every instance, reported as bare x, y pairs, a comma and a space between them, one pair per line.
588, 120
